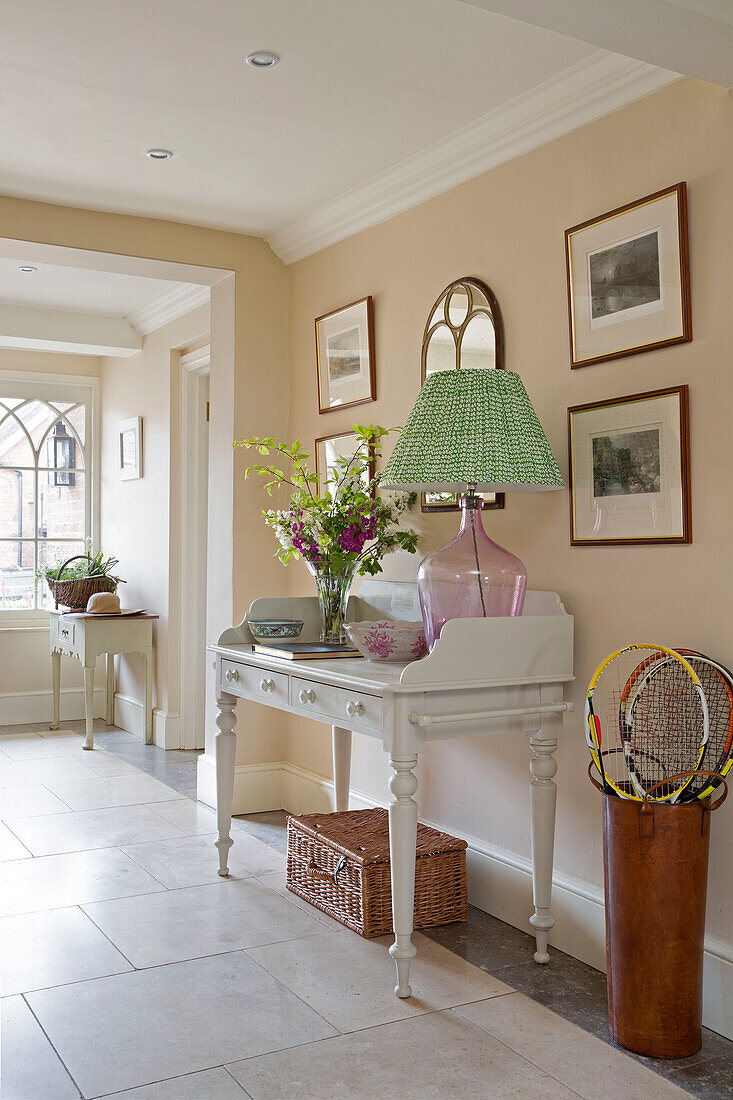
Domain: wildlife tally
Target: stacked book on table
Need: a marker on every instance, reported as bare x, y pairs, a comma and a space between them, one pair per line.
304, 651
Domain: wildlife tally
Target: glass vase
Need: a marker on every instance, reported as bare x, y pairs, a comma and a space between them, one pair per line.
333, 585
472, 577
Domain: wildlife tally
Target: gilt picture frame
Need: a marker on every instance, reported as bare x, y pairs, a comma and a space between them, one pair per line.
629, 470
628, 279
345, 369
329, 448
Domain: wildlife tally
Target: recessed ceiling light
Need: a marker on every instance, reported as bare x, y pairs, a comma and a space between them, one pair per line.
27, 269
262, 59
159, 154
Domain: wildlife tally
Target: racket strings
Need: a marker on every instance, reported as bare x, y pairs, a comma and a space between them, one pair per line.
716, 683
666, 730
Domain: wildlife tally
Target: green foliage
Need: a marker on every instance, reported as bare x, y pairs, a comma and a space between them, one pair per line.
346, 524
94, 566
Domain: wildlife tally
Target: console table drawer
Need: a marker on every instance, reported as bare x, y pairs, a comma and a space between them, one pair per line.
346, 708
65, 631
241, 679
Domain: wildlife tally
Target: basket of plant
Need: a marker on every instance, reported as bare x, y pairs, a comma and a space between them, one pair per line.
72, 585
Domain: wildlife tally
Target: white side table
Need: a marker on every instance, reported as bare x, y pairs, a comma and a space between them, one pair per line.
85, 637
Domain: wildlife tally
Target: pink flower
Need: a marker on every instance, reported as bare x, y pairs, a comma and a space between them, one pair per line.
419, 648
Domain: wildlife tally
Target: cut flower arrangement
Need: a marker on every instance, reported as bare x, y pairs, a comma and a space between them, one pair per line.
340, 532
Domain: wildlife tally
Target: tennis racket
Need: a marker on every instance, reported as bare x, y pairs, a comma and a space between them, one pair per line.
717, 683
647, 701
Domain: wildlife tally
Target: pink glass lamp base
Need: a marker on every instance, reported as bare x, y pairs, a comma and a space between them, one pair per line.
470, 578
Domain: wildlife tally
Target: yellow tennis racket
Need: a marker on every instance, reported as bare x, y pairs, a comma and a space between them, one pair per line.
648, 702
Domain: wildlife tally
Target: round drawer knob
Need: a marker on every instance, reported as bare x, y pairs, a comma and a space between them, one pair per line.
354, 707
231, 674
267, 685
307, 695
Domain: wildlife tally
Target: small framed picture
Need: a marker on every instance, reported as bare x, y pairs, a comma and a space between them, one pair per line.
130, 448
629, 279
630, 469
345, 357
448, 502
331, 448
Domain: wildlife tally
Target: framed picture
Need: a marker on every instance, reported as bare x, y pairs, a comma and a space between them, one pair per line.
330, 448
630, 469
345, 357
629, 279
448, 502
130, 448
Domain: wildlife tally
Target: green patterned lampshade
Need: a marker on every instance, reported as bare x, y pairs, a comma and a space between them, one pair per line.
472, 427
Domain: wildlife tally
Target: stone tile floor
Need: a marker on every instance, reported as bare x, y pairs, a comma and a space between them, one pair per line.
131, 969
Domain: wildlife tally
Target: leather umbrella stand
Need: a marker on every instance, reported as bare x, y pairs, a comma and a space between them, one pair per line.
656, 867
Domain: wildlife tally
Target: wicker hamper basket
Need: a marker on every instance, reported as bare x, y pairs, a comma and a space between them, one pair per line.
340, 863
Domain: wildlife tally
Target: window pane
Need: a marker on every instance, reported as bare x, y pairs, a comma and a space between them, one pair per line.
15, 449
37, 417
11, 402
60, 504
17, 488
77, 419
17, 575
54, 553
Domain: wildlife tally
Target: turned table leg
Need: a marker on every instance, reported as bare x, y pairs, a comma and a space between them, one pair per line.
402, 845
148, 696
542, 796
341, 742
56, 686
225, 748
89, 706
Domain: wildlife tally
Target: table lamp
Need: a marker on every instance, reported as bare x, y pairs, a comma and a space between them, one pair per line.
471, 431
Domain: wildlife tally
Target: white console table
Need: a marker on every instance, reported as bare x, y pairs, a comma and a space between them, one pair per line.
85, 637
483, 677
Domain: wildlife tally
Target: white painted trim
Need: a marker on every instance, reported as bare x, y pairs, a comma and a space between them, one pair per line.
595, 87
168, 307
197, 361
129, 715
499, 882
19, 707
193, 541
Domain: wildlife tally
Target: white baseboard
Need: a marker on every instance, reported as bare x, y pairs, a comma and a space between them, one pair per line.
499, 882
17, 707
257, 787
129, 715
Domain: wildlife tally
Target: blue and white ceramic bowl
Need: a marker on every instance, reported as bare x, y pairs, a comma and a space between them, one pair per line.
268, 629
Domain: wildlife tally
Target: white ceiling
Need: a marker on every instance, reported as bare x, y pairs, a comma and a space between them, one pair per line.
87, 86
692, 37
78, 290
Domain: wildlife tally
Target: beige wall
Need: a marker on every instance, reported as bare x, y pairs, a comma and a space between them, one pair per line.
250, 346
139, 519
507, 228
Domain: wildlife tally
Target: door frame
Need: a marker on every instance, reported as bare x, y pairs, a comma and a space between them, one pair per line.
195, 368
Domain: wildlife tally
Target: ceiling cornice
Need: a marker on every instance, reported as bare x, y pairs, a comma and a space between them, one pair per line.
587, 91
169, 306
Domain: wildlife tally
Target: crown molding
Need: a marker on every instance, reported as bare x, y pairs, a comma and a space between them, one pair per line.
167, 307
595, 87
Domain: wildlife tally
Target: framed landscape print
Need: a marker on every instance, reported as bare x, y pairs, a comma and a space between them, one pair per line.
129, 454
630, 469
345, 357
330, 448
629, 279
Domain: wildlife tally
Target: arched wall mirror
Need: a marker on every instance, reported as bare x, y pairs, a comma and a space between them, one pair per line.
464, 330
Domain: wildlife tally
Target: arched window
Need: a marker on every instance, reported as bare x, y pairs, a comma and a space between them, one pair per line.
46, 471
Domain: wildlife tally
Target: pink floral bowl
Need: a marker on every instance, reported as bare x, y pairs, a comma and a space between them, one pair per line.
388, 641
